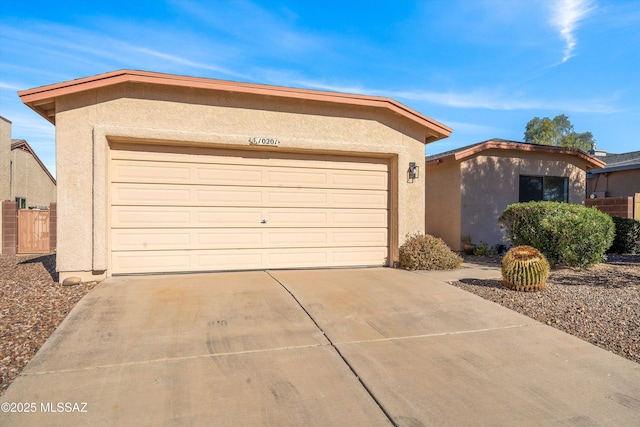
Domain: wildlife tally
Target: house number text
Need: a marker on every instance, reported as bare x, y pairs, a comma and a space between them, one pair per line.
258, 140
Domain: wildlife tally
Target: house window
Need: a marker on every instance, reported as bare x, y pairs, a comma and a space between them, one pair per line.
22, 202
548, 188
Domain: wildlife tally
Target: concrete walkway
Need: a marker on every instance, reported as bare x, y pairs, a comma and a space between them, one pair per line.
361, 347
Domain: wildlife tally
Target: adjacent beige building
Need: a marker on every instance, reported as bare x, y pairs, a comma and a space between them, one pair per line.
32, 185
23, 176
5, 158
164, 173
467, 189
620, 177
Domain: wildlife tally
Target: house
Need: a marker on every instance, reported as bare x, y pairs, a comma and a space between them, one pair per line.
23, 177
620, 177
165, 173
615, 188
468, 188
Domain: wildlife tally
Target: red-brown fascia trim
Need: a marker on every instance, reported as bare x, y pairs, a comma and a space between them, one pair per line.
24, 146
43, 95
501, 145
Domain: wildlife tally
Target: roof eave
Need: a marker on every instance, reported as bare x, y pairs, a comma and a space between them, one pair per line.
592, 162
42, 99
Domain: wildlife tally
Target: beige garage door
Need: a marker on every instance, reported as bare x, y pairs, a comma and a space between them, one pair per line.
193, 209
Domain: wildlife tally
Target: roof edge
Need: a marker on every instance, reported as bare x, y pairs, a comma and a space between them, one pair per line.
514, 145
39, 96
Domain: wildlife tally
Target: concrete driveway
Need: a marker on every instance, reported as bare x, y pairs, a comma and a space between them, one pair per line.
361, 347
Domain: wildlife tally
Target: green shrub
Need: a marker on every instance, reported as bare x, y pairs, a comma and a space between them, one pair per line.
524, 269
572, 235
481, 249
426, 252
627, 238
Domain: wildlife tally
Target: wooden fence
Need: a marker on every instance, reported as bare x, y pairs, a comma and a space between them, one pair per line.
33, 232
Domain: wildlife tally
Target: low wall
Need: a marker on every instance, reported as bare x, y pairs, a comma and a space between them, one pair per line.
614, 206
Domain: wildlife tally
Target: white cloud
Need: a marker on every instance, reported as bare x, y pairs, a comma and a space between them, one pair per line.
565, 16
485, 98
182, 61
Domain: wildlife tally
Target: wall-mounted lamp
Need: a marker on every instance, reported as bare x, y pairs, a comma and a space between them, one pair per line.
414, 171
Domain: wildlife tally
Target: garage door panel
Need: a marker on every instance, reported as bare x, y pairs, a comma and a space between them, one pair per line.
145, 262
150, 194
144, 217
183, 195
130, 171
227, 175
200, 211
329, 257
189, 217
153, 239
243, 158
215, 260
259, 175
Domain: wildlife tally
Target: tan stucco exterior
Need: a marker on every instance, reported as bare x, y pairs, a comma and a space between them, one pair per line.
152, 109
616, 183
29, 178
466, 195
5, 156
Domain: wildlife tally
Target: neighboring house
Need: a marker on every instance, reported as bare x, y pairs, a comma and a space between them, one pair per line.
23, 177
615, 188
467, 189
32, 185
166, 173
620, 177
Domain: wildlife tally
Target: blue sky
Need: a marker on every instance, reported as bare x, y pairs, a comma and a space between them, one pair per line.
482, 67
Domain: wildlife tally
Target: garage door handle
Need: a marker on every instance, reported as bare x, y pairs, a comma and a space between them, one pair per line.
264, 221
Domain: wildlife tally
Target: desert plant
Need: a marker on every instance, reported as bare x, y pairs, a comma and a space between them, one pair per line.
524, 268
481, 249
568, 234
627, 237
427, 252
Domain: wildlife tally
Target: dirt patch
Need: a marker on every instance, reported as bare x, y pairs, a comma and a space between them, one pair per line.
32, 305
600, 305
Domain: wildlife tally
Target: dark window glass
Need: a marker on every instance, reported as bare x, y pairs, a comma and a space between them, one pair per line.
548, 188
530, 188
555, 189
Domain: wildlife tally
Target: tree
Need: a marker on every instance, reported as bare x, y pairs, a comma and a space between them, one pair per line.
557, 132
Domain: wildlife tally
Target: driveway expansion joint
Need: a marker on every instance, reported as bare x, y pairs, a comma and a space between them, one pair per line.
441, 334
170, 359
337, 350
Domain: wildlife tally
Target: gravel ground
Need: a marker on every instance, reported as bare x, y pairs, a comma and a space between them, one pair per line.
32, 305
600, 305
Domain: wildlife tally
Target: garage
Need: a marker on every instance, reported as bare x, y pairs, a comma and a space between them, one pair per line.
163, 173
194, 209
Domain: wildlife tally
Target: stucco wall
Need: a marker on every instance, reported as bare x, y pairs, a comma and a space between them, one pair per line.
30, 181
85, 123
490, 182
616, 184
442, 211
5, 155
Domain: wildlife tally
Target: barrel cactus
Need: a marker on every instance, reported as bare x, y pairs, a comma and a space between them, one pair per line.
524, 268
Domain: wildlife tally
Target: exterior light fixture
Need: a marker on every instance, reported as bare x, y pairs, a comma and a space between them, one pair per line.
414, 171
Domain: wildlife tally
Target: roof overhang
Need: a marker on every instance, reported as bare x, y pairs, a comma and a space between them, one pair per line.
615, 169
592, 162
42, 99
